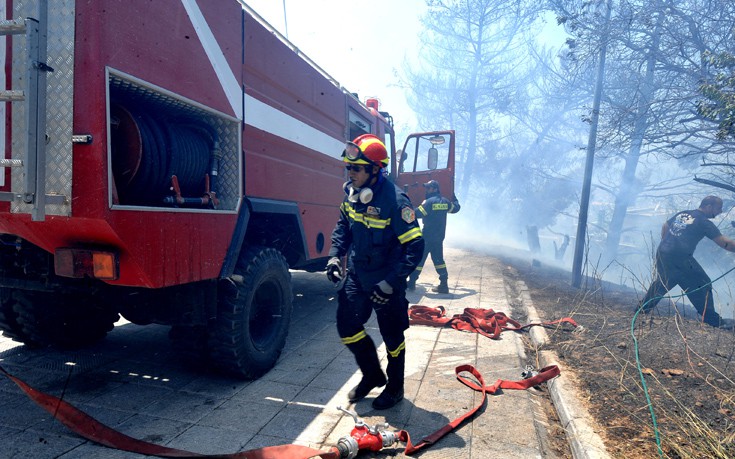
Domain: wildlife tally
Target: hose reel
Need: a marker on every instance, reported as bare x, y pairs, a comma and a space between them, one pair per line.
162, 159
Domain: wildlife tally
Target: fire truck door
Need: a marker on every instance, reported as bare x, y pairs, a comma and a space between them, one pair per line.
426, 156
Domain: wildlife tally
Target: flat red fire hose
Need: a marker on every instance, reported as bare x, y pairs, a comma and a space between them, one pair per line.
91, 429
86, 426
483, 321
543, 375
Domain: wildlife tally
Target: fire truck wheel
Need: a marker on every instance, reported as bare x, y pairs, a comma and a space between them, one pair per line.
62, 320
9, 318
254, 311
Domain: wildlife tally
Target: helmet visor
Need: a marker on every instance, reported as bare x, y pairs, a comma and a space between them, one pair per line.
352, 151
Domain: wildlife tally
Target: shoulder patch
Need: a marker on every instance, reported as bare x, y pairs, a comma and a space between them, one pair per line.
408, 215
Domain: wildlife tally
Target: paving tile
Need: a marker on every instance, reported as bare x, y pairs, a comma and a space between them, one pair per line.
182, 406
130, 397
263, 390
210, 440
312, 424
245, 416
152, 429
29, 444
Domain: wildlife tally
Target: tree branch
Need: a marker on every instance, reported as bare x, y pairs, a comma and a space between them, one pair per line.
724, 186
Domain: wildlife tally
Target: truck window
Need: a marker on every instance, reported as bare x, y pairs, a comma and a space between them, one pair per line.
420, 154
358, 125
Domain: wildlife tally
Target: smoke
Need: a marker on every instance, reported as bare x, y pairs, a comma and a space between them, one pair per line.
473, 229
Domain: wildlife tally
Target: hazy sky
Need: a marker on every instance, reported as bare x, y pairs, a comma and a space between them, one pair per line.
360, 44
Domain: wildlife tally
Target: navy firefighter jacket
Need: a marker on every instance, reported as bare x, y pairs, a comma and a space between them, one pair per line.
383, 237
434, 212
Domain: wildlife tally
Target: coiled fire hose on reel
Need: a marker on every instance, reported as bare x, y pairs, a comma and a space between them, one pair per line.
160, 158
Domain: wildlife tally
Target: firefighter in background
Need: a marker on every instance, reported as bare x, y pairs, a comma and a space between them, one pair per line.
378, 231
434, 212
675, 263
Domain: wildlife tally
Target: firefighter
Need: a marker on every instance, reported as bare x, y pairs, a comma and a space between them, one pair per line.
675, 263
378, 231
434, 212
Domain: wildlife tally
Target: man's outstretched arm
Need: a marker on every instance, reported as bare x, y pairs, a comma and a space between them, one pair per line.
725, 242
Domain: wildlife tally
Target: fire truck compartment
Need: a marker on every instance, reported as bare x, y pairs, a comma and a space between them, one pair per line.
169, 152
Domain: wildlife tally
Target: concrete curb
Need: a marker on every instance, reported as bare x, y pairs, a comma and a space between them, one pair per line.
576, 420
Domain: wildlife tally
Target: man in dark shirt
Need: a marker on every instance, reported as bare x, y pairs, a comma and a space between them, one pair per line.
433, 211
675, 263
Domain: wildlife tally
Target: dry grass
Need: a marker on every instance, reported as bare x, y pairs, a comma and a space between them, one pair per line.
669, 392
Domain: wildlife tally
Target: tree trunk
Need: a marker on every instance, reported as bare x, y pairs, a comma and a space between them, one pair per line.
628, 190
469, 166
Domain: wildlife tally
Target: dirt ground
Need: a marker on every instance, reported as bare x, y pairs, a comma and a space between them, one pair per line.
687, 367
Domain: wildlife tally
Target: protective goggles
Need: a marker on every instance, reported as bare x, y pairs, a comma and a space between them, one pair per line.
353, 153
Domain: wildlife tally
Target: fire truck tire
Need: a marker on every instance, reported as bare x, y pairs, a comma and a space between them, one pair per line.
254, 312
9, 318
62, 320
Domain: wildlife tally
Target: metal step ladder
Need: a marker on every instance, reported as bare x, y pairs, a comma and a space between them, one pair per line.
34, 98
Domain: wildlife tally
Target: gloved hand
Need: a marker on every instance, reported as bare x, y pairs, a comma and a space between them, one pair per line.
381, 294
334, 270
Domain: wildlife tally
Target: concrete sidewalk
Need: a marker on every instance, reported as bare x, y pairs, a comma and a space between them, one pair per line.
514, 423
134, 382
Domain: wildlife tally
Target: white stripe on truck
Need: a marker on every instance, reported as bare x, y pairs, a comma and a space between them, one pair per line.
258, 114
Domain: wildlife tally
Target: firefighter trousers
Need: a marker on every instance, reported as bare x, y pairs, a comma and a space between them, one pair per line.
436, 250
687, 273
354, 309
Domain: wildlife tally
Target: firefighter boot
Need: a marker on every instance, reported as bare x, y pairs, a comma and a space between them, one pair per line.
442, 287
372, 375
393, 392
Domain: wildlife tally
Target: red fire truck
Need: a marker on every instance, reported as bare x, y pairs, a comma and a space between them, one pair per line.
169, 161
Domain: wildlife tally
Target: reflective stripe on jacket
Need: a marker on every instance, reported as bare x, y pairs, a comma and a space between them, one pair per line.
383, 237
433, 211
